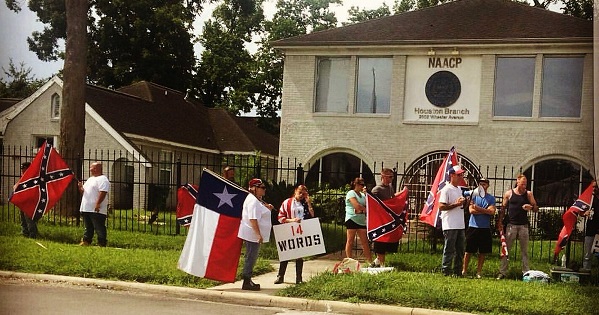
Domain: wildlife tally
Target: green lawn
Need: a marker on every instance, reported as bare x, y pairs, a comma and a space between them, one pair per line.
150, 258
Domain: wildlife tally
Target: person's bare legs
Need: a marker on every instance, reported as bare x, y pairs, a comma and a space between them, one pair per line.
479, 267
349, 243
365, 245
465, 264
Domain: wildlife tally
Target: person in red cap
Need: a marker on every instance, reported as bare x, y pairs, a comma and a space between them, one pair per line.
254, 229
452, 222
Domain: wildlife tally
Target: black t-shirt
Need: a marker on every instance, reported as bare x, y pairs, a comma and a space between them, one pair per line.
592, 226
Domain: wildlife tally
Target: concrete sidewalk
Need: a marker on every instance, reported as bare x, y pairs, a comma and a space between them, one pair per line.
231, 293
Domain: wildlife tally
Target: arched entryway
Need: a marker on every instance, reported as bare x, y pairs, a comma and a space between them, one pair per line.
420, 174
337, 170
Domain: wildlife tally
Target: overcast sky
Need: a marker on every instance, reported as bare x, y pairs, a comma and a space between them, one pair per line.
15, 28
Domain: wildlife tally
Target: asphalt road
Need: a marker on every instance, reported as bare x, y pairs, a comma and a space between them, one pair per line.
18, 296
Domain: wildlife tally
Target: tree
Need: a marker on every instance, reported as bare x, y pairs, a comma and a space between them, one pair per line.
579, 8
293, 18
72, 111
20, 83
356, 15
226, 74
128, 40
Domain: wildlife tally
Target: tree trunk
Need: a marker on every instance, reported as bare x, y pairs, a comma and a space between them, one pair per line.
72, 122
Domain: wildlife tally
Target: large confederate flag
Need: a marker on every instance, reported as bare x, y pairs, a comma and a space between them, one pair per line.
430, 212
43, 183
386, 220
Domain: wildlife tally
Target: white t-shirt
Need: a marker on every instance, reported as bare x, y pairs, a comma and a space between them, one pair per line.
452, 219
254, 209
91, 190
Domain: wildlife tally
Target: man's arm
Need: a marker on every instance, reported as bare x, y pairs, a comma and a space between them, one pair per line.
533, 202
101, 198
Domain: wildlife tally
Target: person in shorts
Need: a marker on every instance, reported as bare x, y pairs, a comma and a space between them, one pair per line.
478, 235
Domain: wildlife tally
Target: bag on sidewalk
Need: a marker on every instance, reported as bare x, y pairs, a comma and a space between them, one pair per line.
347, 265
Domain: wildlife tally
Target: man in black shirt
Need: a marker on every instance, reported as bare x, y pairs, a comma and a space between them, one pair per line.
592, 228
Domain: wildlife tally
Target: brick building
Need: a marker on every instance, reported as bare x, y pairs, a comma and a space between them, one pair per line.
509, 85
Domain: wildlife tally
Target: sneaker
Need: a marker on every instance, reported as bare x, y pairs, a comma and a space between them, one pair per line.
500, 276
478, 276
279, 280
375, 263
84, 243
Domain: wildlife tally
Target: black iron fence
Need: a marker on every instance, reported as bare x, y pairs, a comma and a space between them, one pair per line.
143, 193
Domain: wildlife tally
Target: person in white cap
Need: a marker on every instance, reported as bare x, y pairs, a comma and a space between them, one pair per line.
254, 229
452, 223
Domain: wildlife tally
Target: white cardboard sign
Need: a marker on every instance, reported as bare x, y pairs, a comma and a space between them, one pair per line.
297, 240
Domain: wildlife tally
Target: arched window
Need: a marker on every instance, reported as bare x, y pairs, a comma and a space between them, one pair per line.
55, 106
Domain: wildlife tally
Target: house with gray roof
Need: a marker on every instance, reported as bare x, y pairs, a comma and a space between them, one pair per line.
139, 132
509, 85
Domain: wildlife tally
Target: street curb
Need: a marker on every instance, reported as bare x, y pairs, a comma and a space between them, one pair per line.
239, 298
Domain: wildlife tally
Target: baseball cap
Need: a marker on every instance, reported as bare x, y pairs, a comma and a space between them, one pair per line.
483, 180
255, 182
456, 170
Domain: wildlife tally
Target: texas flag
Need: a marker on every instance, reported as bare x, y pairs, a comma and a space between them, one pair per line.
212, 248
43, 183
582, 204
430, 212
186, 200
386, 220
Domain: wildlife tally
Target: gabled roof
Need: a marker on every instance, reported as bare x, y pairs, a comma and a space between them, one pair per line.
6, 103
153, 111
462, 21
157, 113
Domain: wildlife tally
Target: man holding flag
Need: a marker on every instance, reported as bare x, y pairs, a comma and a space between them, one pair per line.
581, 207
591, 228
42, 183
452, 218
385, 191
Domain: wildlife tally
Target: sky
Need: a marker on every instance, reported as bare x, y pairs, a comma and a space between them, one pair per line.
16, 27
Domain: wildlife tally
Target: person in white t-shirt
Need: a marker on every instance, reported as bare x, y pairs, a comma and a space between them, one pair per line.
94, 205
254, 229
452, 222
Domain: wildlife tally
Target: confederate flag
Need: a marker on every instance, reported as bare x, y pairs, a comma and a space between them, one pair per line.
430, 212
43, 183
386, 220
212, 248
582, 204
186, 199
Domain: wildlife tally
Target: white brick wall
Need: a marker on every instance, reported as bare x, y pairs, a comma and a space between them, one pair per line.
509, 143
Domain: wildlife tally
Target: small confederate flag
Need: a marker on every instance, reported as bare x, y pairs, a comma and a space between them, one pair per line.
386, 220
43, 183
582, 204
503, 252
186, 199
430, 212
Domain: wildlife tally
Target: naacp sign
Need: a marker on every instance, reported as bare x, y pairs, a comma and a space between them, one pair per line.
297, 240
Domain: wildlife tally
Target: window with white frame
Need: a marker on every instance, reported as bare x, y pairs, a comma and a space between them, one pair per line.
562, 86
374, 85
55, 106
332, 85
165, 167
39, 140
514, 85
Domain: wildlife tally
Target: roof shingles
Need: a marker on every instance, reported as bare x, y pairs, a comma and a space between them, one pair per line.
458, 21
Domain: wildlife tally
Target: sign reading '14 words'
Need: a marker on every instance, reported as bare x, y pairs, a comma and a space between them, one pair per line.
297, 240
